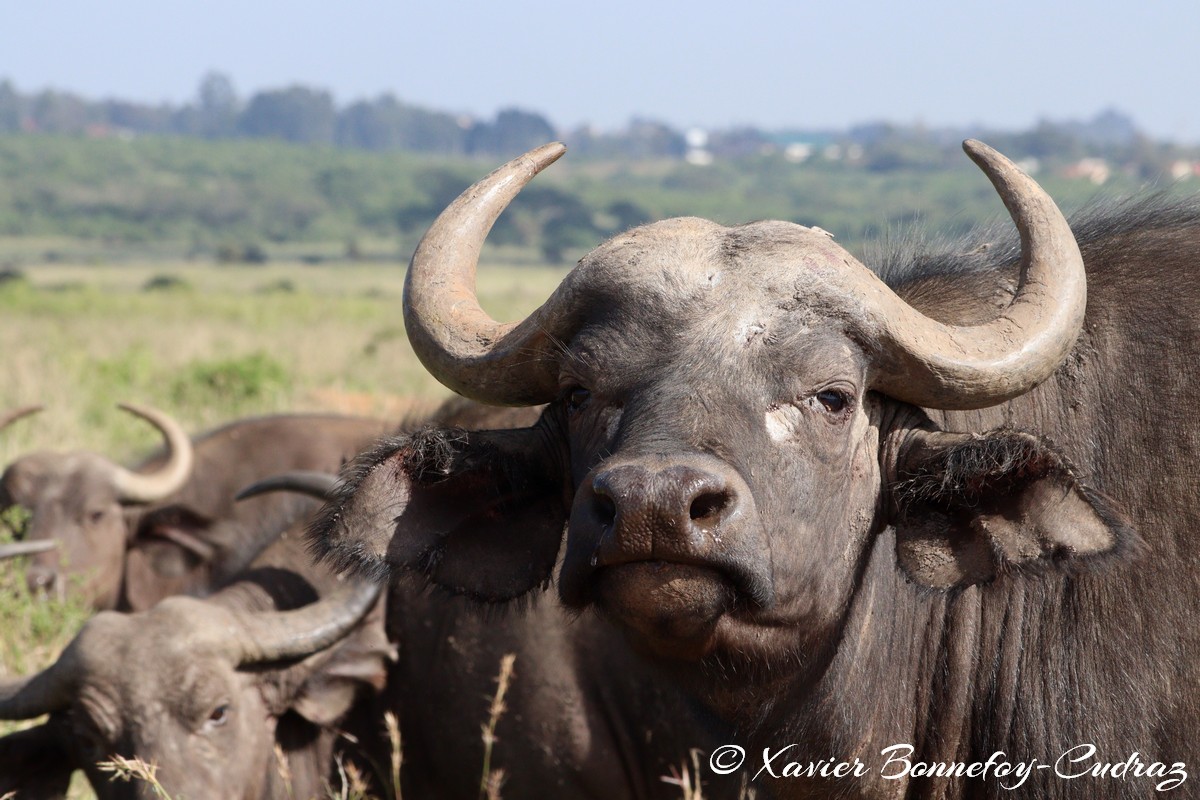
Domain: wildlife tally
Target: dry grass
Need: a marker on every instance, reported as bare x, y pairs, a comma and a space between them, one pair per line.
134, 769
79, 339
391, 727
687, 779
232, 342
492, 780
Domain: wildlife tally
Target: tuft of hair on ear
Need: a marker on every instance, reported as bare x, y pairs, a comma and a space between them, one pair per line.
425, 456
965, 466
324, 542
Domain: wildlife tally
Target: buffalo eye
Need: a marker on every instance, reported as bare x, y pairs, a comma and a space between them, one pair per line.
833, 401
95, 516
577, 398
218, 717
89, 743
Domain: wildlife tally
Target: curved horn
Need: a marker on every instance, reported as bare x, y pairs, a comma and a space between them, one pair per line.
456, 340
137, 487
47, 691
16, 414
274, 636
26, 548
942, 366
310, 482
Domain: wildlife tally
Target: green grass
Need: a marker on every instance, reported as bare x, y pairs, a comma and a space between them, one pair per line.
79, 339
34, 631
74, 199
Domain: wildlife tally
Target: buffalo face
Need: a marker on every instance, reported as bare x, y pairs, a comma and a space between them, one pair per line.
201, 689
734, 421
70, 501
81, 501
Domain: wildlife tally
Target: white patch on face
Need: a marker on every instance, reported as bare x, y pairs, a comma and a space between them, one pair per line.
782, 422
611, 423
749, 331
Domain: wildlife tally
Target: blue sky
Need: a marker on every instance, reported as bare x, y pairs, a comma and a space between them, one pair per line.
760, 62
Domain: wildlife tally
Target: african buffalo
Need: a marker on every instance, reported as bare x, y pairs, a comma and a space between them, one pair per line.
583, 719
234, 696
129, 537
15, 549
885, 522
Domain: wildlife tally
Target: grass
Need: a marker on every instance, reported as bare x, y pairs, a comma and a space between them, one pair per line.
207, 348
134, 769
492, 780
78, 339
34, 631
351, 784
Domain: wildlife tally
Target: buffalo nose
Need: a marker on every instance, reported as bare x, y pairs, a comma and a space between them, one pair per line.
646, 507
40, 579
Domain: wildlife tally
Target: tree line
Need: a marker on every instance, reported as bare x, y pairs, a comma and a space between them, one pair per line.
310, 116
307, 115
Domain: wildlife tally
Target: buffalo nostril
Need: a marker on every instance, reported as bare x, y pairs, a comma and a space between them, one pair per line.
709, 505
39, 580
604, 508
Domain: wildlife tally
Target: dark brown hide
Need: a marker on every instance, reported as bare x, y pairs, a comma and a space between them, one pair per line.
173, 686
965, 594
130, 555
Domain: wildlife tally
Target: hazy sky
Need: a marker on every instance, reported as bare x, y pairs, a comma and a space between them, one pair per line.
761, 62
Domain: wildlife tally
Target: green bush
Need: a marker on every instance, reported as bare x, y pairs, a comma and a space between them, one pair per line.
229, 381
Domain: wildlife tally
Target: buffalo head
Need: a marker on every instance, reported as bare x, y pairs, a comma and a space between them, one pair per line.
735, 418
205, 690
80, 501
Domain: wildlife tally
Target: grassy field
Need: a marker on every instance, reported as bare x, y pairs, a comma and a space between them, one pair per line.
208, 345
214, 343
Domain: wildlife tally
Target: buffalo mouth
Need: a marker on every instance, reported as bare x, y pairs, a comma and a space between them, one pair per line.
671, 608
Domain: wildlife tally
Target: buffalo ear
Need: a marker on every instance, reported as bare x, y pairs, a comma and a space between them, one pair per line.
971, 507
324, 686
479, 513
172, 552
35, 763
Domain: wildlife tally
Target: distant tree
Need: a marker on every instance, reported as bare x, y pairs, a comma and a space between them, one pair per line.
627, 214
738, 142
388, 124
440, 187
216, 106
297, 114
513, 132
641, 139
433, 131
136, 116
10, 108
59, 112
371, 125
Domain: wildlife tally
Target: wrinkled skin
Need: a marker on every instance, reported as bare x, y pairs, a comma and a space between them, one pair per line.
165, 686
825, 565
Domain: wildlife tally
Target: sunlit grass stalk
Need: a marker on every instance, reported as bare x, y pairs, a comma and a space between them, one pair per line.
392, 726
285, 770
353, 783
488, 789
682, 778
129, 769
